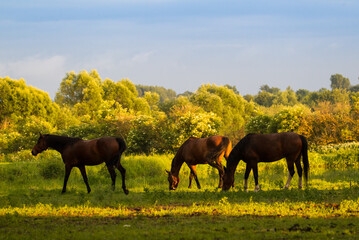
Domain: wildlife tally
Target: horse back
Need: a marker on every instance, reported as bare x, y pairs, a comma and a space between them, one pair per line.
199, 150
272, 147
92, 152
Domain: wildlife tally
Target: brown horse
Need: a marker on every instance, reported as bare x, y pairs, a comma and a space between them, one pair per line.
255, 148
76, 152
199, 151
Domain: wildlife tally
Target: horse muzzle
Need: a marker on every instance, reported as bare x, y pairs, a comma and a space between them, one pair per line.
34, 152
172, 188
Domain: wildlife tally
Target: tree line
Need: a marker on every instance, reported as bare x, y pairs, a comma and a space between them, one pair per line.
153, 119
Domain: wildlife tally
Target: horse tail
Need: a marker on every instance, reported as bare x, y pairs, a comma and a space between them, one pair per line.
121, 144
225, 146
228, 148
305, 156
122, 147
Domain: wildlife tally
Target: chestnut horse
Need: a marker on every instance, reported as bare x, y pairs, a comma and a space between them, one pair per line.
199, 151
255, 148
76, 152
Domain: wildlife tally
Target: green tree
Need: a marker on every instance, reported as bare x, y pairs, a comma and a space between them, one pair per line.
18, 99
124, 92
264, 98
164, 94
77, 88
301, 94
339, 82
229, 106
285, 98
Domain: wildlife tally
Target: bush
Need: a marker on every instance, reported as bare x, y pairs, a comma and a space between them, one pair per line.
51, 170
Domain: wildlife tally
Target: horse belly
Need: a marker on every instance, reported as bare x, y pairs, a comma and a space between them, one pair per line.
90, 157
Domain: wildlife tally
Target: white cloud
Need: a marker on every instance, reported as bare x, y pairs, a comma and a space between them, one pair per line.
142, 57
41, 72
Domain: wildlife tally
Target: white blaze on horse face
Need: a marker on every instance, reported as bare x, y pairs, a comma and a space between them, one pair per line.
288, 181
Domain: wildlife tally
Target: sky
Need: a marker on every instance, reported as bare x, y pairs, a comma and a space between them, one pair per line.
182, 44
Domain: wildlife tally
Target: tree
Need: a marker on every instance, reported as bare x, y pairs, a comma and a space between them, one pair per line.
264, 98
164, 94
18, 99
77, 88
339, 82
124, 92
285, 98
301, 94
272, 90
232, 108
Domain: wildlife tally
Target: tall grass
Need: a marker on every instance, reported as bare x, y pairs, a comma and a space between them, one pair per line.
30, 195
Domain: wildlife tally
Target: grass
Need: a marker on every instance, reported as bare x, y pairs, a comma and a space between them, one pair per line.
31, 205
178, 227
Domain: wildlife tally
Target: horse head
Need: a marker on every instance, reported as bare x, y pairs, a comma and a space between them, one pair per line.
228, 180
173, 180
40, 146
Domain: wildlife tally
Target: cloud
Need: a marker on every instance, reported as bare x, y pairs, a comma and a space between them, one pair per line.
142, 57
40, 72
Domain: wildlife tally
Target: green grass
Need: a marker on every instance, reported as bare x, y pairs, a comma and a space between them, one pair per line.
32, 206
172, 227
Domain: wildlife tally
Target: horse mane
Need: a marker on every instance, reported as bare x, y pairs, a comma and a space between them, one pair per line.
243, 142
235, 155
60, 142
178, 155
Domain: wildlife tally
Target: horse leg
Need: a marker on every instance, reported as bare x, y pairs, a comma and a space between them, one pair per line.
84, 176
246, 175
193, 171
290, 165
220, 172
299, 170
123, 174
190, 179
67, 174
112, 172
255, 173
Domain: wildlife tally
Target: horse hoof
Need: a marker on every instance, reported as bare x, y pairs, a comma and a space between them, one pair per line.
126, 191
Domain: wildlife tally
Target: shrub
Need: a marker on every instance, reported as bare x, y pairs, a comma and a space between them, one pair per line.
51, 170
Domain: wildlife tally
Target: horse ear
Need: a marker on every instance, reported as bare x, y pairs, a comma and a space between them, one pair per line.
41, 136
168, 172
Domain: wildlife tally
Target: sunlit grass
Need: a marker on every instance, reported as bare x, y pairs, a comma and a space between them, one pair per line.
30, 195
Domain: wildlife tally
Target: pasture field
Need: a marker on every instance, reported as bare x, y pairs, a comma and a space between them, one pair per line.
32, 206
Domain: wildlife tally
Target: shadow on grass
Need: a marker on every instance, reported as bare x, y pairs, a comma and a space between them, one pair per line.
180, 197
175, 227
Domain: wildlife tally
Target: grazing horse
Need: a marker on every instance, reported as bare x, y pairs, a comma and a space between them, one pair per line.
199, 151
76, 152
255, 148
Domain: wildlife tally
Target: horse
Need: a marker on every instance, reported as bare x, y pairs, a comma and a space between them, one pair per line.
195, 151
76, 152
255, 148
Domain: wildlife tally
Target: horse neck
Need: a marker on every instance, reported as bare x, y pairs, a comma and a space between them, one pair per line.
233, 160
177, 163
59, 142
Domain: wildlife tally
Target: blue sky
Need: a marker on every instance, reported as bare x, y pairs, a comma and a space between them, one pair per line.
182, 44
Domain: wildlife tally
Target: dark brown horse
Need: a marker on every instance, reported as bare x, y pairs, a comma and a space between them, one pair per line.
199, 151
255, 148
76, 152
